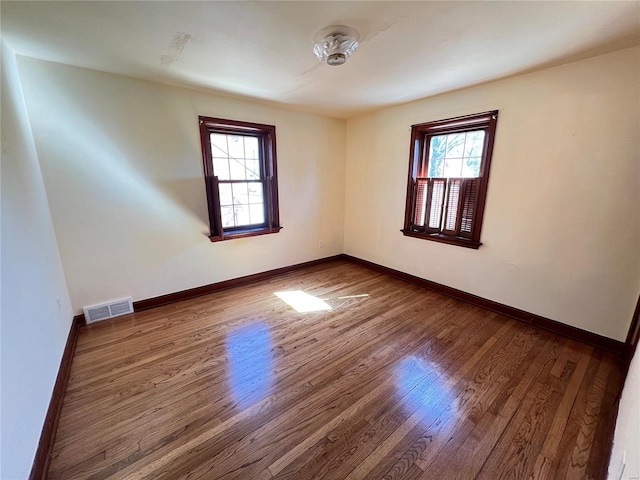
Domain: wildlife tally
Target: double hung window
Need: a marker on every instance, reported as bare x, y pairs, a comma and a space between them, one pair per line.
241, 177
448, 177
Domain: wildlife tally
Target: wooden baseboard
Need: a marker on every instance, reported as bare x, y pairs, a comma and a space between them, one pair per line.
41, 461
146, 304
556, 327
234, 282
553, 326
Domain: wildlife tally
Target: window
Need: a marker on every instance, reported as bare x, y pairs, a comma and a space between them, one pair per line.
240, 176
448, 176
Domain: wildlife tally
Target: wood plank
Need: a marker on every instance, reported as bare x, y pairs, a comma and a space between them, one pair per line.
395, 382
477, 434
391, 412
431, 400
352, 383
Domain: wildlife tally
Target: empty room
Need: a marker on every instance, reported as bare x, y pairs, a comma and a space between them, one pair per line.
320, 240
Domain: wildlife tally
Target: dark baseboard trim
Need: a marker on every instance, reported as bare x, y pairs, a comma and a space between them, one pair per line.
148, 303
614, 346
41, 461
553, 326
234, 282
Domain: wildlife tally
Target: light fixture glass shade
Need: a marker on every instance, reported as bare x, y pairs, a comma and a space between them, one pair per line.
335, 44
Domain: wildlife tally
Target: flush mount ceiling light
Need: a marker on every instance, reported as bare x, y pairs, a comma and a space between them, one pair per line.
335, 44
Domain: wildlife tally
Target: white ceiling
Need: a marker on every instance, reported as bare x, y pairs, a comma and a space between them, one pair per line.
263, 50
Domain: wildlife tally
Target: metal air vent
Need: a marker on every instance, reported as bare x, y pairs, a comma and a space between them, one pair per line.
104, 311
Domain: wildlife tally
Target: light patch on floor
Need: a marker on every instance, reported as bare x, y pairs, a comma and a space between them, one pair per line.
302, 302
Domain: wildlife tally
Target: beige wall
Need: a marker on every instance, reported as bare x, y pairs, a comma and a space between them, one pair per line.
561, 230
122, 166
36, 312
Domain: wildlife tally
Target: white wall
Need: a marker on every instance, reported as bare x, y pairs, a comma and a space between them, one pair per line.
33, 328
627, 436
121, 161
561, 229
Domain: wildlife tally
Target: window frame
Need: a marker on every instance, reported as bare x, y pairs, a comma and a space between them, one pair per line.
421, 135
266, 135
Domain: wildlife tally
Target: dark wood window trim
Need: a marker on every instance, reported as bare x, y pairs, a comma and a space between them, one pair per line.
449, 210
266, 135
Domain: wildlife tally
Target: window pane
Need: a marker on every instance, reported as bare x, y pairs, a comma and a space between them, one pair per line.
240, 195
236, 146
251, 149
452, 167
221, 168
242, 215
455, 145
227, 217
219, 145
225, 194
473, 154
257, 213
474, 144
436, 168
437, 150
456, 154
237, 169
255, 192
471, 167
253, 169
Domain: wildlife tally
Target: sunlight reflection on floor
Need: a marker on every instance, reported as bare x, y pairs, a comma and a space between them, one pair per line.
302, 302
422, 387
250, 367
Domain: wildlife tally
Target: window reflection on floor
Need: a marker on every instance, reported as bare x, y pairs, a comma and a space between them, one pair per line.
302, 302
422, 388
251, 363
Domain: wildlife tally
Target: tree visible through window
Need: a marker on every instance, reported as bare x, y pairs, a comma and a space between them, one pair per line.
240, 174
448, 176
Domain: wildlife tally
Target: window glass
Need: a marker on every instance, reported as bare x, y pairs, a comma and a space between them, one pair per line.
456, 155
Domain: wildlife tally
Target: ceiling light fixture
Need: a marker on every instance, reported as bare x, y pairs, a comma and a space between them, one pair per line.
335, 44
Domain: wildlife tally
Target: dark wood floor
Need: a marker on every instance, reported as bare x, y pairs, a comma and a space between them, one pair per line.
394, 382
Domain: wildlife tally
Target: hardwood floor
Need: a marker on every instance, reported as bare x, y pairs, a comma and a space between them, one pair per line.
394, 382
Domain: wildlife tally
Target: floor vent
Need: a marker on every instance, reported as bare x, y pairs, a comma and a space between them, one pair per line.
104, 311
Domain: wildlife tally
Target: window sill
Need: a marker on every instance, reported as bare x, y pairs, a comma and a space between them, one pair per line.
438, 237
244, 233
